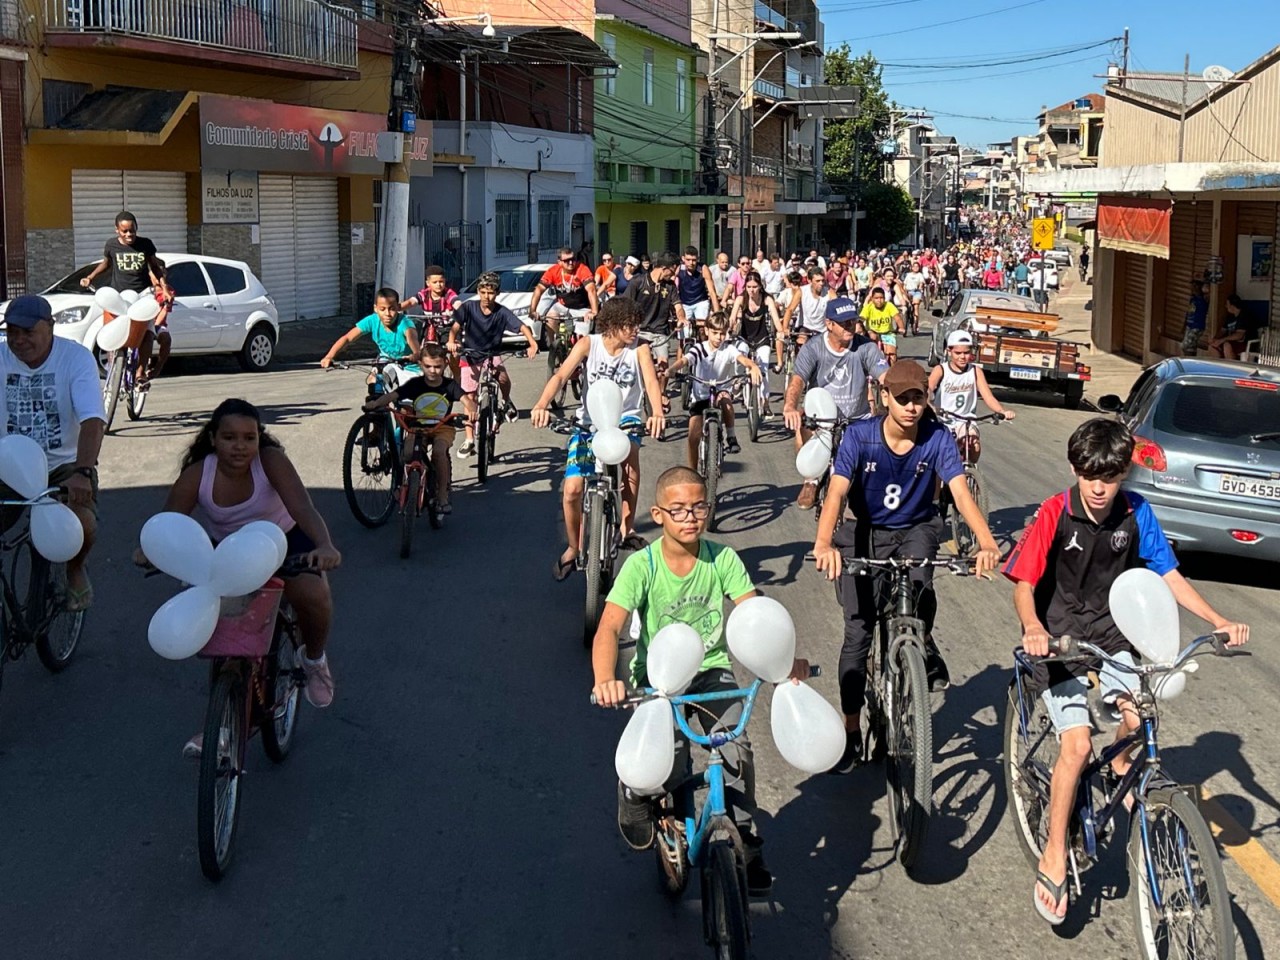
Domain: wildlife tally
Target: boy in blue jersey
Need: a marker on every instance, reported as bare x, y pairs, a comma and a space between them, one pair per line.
888, 468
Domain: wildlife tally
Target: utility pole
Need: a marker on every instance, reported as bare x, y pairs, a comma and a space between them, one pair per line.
1124, 68
1182, 112
393, 235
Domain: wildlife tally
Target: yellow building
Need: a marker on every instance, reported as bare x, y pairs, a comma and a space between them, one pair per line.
235, 128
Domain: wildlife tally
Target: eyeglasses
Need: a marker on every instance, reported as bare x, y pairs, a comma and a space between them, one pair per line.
698, 511
566, 260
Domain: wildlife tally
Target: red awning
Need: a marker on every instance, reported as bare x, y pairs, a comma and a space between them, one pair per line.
1138, 226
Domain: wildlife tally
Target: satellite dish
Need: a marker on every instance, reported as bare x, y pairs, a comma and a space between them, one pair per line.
1217, 75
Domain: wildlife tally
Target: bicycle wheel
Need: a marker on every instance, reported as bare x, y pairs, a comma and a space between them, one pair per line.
575, 382
57, 630
724, 903
910, 754
1029, 754
434, 517
409, 510
370, 470
754, 411
283, 680
711, 441
135, 400
484, 445
218, 802
594, 571
1193, 917
111, 386
672, 854
686, 387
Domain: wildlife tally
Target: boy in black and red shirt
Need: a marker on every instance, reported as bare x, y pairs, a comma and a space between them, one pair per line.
1078, 543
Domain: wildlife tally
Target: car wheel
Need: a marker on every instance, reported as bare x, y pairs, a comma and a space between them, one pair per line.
258, 349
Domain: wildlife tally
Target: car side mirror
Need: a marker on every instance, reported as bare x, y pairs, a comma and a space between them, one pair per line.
1110, 403
937, 311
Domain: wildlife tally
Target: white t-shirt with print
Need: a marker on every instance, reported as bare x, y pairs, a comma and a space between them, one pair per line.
49, 402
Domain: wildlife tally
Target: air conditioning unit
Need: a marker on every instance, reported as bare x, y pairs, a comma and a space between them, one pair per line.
727, 156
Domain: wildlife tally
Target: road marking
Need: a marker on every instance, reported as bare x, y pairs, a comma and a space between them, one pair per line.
1242, 848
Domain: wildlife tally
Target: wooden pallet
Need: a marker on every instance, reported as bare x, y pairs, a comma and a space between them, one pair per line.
1017, 319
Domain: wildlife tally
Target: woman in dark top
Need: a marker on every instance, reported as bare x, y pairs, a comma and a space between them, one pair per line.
756, 320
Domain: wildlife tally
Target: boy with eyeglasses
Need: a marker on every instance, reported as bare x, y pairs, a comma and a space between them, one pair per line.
955, 385
683, 578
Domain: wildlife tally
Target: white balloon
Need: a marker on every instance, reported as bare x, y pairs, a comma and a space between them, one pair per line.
130, 296
56, 532
611, 446
674, 656
181, 627
23, 465
814, 457
604, 403
762, 637
647, 748
145, 310
179, 546
277, 537
819, 404
1143, 607
808, 731
109, 299
1171, 684
114, 335
242, 563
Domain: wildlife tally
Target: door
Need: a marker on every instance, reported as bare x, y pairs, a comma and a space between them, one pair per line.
195, 322
298, 234
158, 198
1133, 338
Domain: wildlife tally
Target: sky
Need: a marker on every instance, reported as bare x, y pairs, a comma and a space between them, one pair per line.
979, 103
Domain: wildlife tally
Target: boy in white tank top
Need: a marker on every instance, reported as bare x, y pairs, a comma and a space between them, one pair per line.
955, 385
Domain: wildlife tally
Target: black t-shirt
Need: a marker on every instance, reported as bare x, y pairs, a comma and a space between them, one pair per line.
951, 271
128, 263
657, 302
440, 398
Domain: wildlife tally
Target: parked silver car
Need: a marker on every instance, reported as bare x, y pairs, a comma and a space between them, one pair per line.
1208, 453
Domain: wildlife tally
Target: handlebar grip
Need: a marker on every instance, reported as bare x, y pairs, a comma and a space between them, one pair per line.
814, 670
1064, 645
1220, 648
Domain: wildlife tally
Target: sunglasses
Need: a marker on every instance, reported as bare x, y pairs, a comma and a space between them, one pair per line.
607, 259
569, 260
845, 324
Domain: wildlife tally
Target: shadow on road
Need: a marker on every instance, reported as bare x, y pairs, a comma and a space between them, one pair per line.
1218, 751
758, 561
750, 507
1007, 523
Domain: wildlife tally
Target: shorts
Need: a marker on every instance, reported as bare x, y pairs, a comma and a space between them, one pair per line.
960, 428
1067, 700
917, 295
699, 311
580, 461
699, 407
659, 345
581, 317
298, 544
1191, 340
889, 339
470, 381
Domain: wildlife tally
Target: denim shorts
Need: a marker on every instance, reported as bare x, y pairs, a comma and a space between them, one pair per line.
1067, 701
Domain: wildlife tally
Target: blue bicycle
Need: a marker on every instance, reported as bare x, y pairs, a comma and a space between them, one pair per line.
1181, 907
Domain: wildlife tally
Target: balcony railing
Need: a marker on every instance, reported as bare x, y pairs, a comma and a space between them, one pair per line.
767, 15
767, 88
300, 30
10, 20
766, 167
800, 154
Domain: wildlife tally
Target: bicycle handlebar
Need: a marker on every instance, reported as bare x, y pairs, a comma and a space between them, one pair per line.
1065, 649
648, 693
45, 497
992, 417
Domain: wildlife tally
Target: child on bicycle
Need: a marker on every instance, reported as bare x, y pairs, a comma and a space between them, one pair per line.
955, 385
611, 353
1062, 569
431, 397
683, 578
392, 333
438, 302
714, 360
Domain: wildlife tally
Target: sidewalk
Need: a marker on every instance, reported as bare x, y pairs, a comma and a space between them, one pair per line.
1111, 373
306, 341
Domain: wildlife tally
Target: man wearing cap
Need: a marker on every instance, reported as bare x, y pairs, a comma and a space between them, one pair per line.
841, 361
955, 385
53, 395
888, 468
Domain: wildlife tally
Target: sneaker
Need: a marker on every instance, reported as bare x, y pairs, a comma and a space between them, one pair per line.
731, 445
935, 668
759, 877
466, 449
635, 819
444, 509
511, 412
808, 495
319, 686
851, 759
192, 748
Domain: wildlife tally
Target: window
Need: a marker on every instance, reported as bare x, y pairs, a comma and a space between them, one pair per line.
639, 174
508, 225
187, 279
648, 76
610, 44
668, 175
682, 85
550, 223
640, 238
671, 231
604, 171
226, 278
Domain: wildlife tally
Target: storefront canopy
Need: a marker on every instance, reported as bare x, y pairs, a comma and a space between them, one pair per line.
1135, 225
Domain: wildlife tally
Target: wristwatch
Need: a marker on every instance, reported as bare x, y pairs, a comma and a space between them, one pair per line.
86, 472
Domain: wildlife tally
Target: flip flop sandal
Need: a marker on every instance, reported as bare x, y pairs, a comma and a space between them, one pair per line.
1056, 890
633, 541
78, 600
561, 569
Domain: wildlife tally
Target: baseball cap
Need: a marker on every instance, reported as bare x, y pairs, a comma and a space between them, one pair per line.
959, 338
633, 261
26, 311
841, 310
906, 375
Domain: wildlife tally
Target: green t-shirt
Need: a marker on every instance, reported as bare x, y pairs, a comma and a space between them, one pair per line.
647, 585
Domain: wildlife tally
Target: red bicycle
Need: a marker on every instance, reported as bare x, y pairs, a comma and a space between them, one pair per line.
419, 486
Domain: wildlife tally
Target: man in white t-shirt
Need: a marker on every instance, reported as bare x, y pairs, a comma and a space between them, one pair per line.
53, 395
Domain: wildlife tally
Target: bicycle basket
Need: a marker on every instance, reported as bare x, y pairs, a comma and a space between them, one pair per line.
247, 623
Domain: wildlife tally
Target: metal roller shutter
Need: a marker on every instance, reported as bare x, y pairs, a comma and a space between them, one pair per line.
275, 236
1134, 300
158, 198
1256, 217
1177, 287
298, 233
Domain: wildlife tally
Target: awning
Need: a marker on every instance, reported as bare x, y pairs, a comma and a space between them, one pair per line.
516, 45
120, 116
1135, 225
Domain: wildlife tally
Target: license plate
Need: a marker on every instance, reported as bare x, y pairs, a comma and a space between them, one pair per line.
1022, 373
1249, 487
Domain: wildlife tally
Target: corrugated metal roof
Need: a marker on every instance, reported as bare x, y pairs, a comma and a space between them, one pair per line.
1168, 87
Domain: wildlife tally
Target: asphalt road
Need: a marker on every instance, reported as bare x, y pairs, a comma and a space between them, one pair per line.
458, 798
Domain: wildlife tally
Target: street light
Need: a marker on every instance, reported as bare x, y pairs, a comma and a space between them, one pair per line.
487, 19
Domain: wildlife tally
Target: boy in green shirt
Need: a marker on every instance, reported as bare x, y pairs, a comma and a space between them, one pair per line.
683, 579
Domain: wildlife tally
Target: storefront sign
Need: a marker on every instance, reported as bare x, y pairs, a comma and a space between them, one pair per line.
229, 196
282, 138
757, 192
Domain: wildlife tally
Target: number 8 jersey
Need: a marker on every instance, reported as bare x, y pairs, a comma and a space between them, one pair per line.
892, 490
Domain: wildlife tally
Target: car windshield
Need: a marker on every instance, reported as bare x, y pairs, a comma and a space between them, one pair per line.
71, 283
1219, 412
513, 281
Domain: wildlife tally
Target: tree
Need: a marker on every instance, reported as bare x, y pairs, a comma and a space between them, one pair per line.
852, 155
891, 215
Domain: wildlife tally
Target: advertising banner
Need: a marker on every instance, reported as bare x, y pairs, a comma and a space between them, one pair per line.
229, 196
261, 135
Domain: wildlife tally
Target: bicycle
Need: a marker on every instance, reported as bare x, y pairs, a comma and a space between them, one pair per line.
372, 468
600, 537
707, 839
711, 446
965, 539
899, 717
562, 339
418, 488
488, 405
1175, 876
836, 426
34, 596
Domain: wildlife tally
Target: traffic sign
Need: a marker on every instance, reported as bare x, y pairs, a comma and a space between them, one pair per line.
1042, 233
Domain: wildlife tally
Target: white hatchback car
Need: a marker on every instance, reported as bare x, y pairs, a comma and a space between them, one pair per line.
517, 291
220, 308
